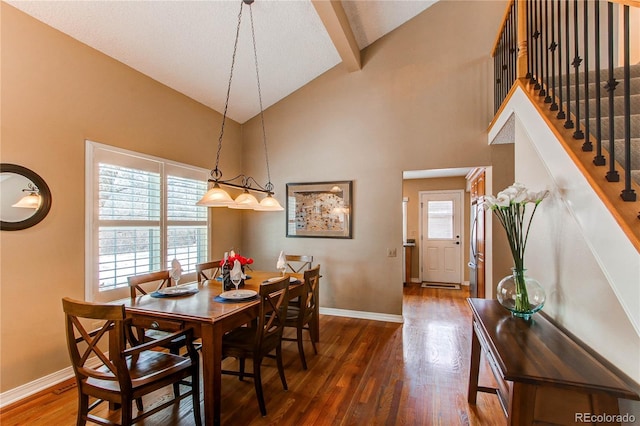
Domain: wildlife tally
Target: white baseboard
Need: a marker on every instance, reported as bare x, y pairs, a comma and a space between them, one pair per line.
31, 388
50, 380
362, 315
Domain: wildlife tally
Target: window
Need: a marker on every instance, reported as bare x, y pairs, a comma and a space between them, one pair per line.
141, 213
440, 222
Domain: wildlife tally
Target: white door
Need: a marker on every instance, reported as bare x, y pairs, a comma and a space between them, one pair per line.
440, 233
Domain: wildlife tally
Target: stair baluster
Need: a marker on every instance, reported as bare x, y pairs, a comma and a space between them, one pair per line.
612, 174
561, 115
628, 194
587, 145
577, 60
547, 99
599, 159
568, 124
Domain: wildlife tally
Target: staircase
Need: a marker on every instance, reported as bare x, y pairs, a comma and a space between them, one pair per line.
618, 119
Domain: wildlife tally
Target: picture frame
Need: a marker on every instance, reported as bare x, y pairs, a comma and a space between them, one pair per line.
320, 209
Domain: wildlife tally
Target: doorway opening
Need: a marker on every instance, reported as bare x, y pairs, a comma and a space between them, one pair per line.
425, 260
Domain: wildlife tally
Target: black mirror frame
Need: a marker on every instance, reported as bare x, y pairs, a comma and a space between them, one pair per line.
45, 193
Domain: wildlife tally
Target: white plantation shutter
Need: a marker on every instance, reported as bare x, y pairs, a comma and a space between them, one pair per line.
142, 215
129, 224
186, 222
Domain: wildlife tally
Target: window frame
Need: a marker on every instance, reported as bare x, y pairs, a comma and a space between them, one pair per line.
97, 152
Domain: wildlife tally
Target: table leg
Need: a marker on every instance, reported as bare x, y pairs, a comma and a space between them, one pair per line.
474, 368
212, 373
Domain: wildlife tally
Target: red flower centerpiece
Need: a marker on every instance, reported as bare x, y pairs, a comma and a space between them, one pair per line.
233, 257
227, 265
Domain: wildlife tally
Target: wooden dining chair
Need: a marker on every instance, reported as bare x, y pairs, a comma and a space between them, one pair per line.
163, 279
146, 334
258, 340
299, 317
297, 263
208, 270
126, 373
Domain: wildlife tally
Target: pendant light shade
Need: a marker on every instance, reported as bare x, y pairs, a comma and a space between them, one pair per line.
245, 201
269, 204
216, 197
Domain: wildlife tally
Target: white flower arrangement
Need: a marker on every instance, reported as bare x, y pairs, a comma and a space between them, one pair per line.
510, 207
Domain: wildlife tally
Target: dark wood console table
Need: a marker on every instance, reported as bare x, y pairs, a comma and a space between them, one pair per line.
543, 376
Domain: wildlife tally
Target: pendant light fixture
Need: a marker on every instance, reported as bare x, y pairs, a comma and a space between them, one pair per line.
218, 197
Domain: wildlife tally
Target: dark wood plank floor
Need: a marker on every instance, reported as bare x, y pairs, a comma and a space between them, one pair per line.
366, 372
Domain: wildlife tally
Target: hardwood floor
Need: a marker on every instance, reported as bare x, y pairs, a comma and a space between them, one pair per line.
366, 372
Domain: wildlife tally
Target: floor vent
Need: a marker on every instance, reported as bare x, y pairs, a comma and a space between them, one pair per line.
64, 387
441, 285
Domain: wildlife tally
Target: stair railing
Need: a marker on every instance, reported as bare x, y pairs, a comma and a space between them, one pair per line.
541, 40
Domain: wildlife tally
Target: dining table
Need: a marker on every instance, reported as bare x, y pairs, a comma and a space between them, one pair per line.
201, 308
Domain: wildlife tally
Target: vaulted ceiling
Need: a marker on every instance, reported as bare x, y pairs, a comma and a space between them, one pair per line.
188, 45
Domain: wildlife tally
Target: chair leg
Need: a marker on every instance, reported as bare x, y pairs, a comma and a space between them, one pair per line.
83, 409
139, 404
125, 412
176, 390
313, 340
301, 348
241, 370
281, 366
195, 397
257, 382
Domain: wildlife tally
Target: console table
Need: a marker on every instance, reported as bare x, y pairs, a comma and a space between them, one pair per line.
543, 375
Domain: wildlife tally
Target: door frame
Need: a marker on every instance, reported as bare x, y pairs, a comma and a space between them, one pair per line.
461, 220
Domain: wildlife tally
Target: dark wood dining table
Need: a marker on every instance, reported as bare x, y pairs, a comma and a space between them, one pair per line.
210, 320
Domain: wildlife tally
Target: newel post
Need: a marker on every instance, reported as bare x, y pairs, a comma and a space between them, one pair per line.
521, 65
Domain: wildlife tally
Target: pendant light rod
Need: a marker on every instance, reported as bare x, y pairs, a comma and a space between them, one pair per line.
216, 196
216, 174
269, 185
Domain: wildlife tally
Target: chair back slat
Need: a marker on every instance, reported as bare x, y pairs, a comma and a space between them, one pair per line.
309, 298
274, 301
208, 270
135, 282
297, 263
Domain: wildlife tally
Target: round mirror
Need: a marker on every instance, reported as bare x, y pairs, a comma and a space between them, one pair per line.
25, 200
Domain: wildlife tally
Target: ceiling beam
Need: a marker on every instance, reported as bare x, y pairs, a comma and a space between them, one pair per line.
335, 21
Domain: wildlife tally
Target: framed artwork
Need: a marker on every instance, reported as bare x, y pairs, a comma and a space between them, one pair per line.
319, 209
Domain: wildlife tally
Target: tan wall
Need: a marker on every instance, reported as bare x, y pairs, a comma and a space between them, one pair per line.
411, 189
57, 92
421, 101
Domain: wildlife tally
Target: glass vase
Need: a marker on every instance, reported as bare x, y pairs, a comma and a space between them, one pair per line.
521, 294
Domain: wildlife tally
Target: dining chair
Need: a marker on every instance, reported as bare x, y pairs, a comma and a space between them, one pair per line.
299, 317
144, 334
163, 278
297, 263
127, 372
262, 337
208, 270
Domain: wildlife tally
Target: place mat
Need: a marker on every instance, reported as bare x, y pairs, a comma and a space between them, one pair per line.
222, 300
185, 292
